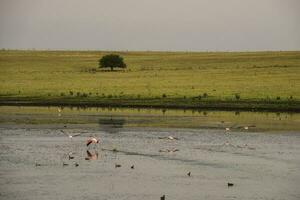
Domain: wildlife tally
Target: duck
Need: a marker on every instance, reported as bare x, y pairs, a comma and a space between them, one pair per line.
70, 156
117, 165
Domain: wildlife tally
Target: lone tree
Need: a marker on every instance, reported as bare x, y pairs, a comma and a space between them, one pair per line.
111, 61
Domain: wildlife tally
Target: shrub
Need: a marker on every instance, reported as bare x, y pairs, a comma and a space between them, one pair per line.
205, 95
71, 93
237, 96
111, 61
164, 95
62, 94
278, 98
84, 95
78, 94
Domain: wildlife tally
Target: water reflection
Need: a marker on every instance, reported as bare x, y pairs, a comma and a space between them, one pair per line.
111, 120
91, 155
111, 124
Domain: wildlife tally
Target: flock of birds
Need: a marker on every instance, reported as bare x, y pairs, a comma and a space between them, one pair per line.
94, 156
95, 141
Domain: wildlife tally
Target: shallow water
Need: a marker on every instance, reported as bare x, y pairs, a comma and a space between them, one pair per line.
262, 165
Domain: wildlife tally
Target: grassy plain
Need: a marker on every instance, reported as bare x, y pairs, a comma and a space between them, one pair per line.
245, 80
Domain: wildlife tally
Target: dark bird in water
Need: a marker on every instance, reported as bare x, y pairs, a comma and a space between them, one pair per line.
92, 140
230, 184
189, 174
163, 197
168, 150
117, 165
70, 156
132, 167
91, 156
76, 164
37, 164
65, 164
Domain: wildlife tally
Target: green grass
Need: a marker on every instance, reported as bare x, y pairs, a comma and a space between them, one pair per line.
237, 80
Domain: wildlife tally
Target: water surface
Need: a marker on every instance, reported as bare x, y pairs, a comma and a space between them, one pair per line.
262, 161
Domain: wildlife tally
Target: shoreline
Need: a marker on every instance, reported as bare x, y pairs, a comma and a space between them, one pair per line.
159, 103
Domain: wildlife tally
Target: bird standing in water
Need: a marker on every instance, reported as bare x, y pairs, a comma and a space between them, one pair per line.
92, 140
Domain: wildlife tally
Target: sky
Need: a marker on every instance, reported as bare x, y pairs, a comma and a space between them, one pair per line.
150, 25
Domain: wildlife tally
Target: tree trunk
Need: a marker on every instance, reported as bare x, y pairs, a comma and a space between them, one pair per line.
111, 68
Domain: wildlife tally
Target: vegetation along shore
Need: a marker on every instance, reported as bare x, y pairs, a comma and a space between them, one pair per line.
214, 80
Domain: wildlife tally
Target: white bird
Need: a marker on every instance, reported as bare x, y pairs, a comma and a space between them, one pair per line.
169, 138
92, 140
227, 129
246, 127
69, 135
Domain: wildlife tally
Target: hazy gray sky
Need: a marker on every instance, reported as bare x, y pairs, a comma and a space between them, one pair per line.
194, 25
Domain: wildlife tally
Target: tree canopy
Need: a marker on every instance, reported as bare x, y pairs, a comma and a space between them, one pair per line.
112, 61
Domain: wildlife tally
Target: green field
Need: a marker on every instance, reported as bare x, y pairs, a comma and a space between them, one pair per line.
263, 80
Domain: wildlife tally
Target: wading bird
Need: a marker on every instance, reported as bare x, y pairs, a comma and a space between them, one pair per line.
92, 140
